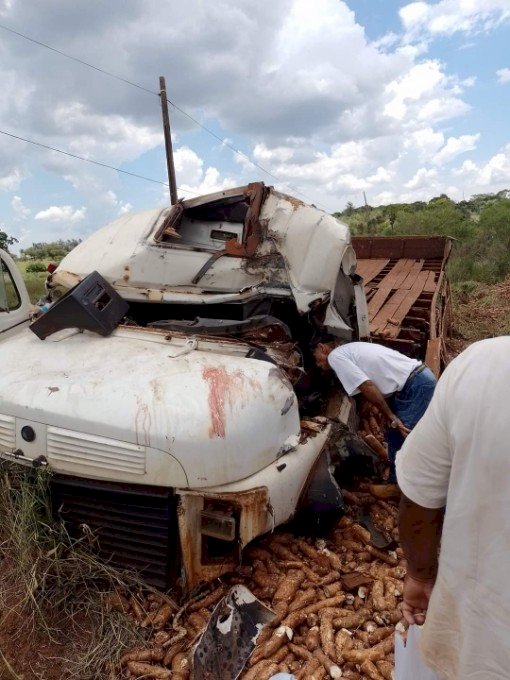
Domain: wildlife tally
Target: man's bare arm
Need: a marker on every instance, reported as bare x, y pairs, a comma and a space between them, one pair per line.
420, 535
371, 393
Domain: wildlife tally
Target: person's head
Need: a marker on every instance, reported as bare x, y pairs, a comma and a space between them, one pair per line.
321, 352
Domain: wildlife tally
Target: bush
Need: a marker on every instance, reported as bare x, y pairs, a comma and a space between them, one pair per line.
36, 267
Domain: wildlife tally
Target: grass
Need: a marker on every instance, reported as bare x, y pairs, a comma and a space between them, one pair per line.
481, 310
53, 586
34, 281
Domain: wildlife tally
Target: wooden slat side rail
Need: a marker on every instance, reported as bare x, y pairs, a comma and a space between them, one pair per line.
391, 330
433, 356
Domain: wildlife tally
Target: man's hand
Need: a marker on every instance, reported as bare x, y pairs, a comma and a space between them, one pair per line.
416, 599
396, 424
404, 431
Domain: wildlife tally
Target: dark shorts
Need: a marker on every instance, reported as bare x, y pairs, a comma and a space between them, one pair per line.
409, 405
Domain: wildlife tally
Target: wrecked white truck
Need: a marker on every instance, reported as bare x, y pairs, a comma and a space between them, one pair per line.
201, 422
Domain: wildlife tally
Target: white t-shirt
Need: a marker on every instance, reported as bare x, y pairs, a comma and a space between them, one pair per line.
357, 362
459, 456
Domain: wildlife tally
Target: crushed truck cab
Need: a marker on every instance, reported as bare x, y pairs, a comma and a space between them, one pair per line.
202, 421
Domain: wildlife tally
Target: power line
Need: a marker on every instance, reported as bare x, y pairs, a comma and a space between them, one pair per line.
89, 160
79, 61
224, 142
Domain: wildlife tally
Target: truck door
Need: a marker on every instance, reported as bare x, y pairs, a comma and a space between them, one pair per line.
14, 301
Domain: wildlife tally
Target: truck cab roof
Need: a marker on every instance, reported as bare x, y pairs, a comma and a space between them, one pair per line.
229, 246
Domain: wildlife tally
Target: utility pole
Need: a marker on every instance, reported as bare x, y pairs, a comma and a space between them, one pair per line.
168, 142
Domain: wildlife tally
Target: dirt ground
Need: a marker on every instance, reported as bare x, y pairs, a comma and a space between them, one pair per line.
479, 311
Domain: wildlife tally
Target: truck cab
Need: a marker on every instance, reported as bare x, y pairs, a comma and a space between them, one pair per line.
15, 307
202, 421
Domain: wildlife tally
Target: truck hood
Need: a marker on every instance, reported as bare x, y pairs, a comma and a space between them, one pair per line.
208, 414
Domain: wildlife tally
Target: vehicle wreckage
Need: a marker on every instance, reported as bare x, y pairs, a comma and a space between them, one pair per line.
201, 421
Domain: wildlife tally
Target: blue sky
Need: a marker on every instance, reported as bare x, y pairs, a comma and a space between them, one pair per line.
400, 100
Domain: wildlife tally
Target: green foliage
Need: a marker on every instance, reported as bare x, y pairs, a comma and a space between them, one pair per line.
34, 267
480, 227
53, 251
6, 240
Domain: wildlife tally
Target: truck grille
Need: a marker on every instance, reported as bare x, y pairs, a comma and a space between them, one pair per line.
135, 527
94, 453
7, 433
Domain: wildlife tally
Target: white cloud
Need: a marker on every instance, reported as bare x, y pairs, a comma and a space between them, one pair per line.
426, 92
297, 85
125, 208
422, 179
454, 147
19, 209
11, 180
193, 179
503, 75
492, 175
446, 17
62, 213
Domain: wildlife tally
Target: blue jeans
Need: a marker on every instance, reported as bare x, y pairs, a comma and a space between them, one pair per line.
409, 405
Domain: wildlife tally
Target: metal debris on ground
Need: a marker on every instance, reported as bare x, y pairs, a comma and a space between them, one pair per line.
230, 636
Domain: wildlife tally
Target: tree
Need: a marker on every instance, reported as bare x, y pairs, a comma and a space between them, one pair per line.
6, 240
55, 250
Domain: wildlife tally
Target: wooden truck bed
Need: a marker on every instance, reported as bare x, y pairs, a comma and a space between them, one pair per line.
407, 292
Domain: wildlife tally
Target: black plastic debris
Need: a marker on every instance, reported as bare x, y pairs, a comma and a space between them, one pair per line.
92, 305
230, 637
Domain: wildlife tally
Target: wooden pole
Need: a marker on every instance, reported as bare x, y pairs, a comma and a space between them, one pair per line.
168, 142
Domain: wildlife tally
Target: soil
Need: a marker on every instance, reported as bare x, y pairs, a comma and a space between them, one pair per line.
26, 653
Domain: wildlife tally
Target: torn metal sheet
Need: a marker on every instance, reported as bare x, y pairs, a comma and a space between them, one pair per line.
230, 637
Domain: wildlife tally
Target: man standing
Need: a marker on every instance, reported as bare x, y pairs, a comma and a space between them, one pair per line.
399, 386
458, 458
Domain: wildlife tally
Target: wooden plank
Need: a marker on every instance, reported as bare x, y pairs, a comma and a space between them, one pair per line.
387, 311
407, 268
384, 288
369, 269
433, 356
404, 306
410, 279
430, 286
378, 301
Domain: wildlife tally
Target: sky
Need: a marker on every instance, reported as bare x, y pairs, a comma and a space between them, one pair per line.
331, 99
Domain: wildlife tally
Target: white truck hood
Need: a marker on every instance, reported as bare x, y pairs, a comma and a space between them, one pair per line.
143, 408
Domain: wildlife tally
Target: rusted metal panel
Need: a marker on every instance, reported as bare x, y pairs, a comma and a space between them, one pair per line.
251, 509
397, 247
255, 194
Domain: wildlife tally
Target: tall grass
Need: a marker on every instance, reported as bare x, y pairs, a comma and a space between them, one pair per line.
53, 585
34, 281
